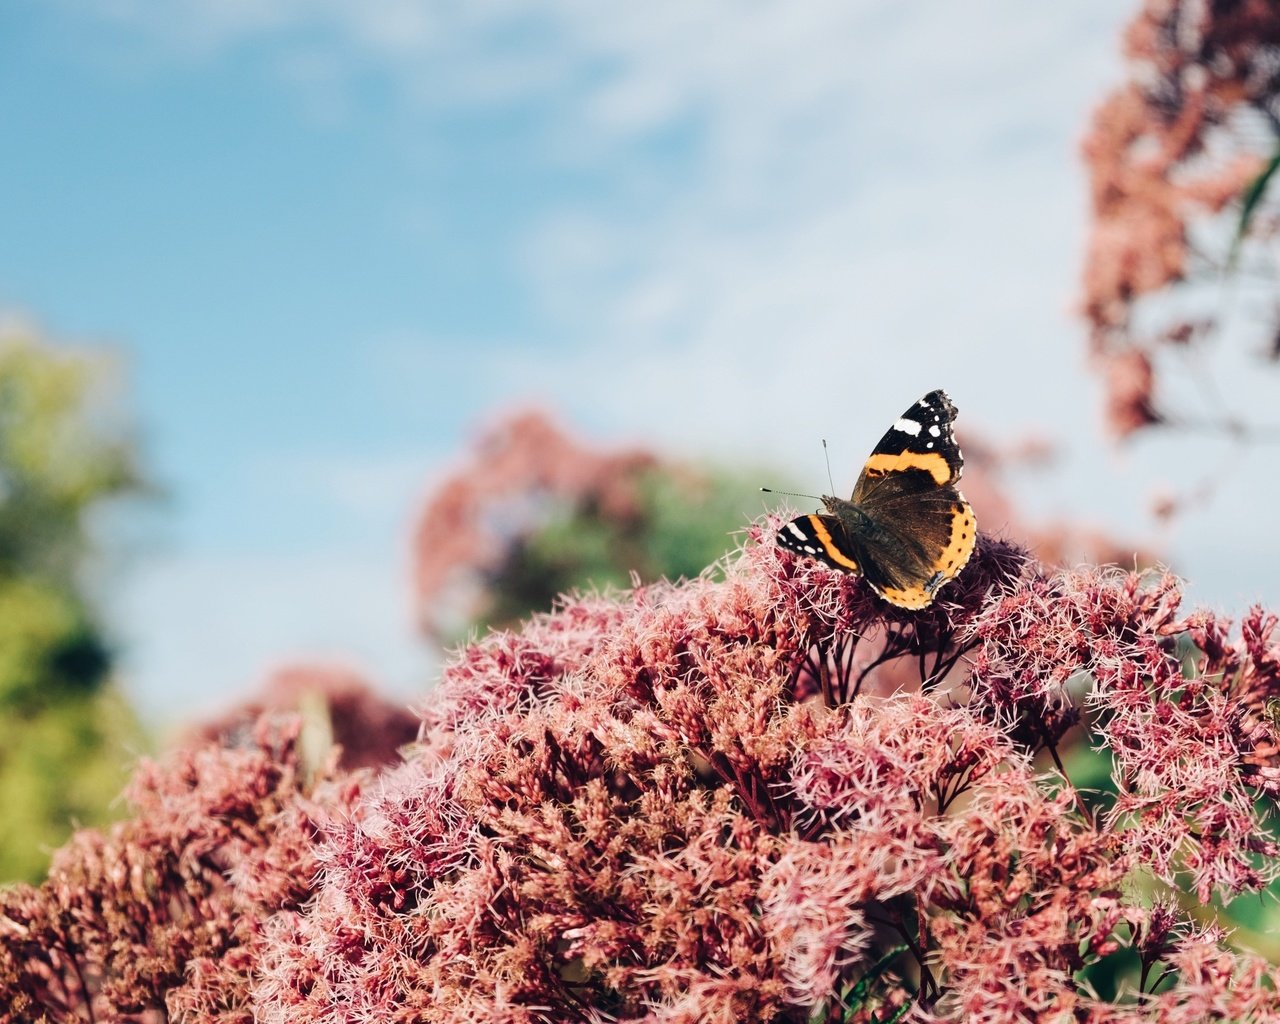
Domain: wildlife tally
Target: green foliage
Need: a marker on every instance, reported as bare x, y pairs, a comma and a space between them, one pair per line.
854, 1002
1253, 196
61, 768
66, 736
693, 519
684, 522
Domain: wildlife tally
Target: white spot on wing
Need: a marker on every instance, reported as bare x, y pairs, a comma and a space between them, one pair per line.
907, 426
796, 531
935, 430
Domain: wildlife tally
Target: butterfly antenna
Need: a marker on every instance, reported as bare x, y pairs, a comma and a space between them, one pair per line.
790, 494
827, 455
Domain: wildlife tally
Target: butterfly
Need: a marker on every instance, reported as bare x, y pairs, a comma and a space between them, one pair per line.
906, 529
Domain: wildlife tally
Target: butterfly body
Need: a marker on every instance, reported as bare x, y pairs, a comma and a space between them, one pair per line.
906, 529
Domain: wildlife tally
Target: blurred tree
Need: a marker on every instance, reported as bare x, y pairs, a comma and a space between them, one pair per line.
66, 736
534, 513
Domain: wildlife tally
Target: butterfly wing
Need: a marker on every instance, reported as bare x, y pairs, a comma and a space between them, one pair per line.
821, 537
929, 543
921, 531
919, 450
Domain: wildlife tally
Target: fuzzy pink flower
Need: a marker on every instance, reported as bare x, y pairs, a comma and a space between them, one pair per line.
165, 912
694, 801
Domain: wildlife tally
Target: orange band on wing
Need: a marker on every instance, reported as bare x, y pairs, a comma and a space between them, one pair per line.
913, 597
931, 462
829, 546
964, 537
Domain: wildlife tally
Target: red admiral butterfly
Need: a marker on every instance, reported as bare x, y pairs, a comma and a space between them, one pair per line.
907, 530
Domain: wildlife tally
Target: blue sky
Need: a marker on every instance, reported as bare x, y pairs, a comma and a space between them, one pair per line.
329, 239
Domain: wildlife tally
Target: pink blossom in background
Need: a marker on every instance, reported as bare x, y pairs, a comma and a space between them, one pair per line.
368, 728
640, 808
518, 465
1183, 139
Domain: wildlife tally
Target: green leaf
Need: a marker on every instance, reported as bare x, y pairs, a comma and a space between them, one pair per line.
856, 996
1252, 197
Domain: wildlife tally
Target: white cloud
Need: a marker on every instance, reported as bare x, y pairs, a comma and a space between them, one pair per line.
881, 194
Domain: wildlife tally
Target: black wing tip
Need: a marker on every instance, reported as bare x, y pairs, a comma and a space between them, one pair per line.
939, 396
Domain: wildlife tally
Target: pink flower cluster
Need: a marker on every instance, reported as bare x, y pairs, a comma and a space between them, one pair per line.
696, 803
